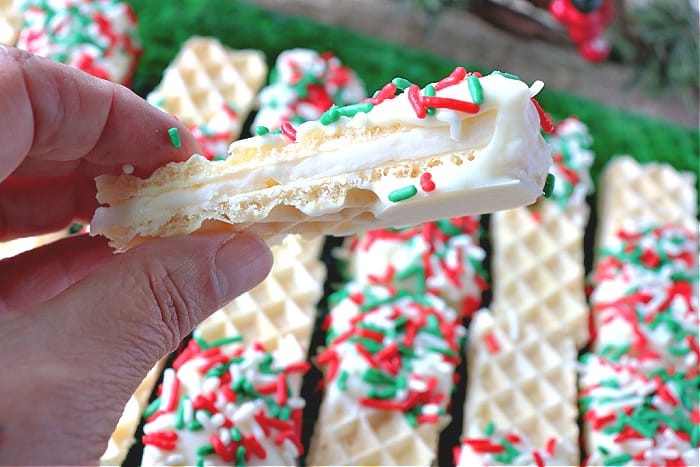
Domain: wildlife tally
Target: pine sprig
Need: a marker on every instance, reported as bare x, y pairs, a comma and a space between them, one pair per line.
659, 39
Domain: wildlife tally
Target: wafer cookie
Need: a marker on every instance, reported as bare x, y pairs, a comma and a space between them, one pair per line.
389, 371
303, 85
392, 160
99, 37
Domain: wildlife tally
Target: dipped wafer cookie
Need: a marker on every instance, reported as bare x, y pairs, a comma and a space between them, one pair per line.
389, 371
99, 37
538, 268
463, 145
640, 385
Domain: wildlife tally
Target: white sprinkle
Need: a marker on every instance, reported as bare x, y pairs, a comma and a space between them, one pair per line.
168, 383
128, 169
174, 459
536, 87
187, 410
452, 118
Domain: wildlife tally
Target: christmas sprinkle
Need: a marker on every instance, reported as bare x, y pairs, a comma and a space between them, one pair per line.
99, 37
396, 352
231, 403
174, 135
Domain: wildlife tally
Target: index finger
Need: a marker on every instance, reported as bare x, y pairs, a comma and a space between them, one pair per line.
58, 120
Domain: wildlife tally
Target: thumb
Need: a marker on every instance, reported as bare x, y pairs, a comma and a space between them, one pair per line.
152, 296
98, 338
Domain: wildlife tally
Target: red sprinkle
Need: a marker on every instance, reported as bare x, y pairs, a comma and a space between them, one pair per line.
426, 182
484, 445
165, 440
551, 446
226, 454
538, 459
251, 443
448, 103
416, 101
545, 121
427, 418
281, 389
289, 131
457, 75
491, 343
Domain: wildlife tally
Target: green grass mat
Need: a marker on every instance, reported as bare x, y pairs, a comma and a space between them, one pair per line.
164, 25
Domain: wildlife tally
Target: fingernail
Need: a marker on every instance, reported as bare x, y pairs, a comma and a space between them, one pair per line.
241, 262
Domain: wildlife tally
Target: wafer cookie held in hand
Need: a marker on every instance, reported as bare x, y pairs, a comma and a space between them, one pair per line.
464, 145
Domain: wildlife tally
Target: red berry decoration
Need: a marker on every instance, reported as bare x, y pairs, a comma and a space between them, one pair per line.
585, 22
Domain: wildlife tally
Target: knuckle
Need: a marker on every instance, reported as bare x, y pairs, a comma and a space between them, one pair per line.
172, 307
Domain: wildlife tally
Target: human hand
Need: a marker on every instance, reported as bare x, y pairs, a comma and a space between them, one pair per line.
79, 326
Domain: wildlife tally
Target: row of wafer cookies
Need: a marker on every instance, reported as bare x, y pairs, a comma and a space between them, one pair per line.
244, 406
522, 352
639, 385
394, 340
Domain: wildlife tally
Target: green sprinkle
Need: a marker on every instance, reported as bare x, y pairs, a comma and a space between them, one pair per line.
343, 380
75, 228
206, 450
506, 75
285, 413
277, 132
240, 455
239, 385
194, 425
261, 130
403, 194
330, 116
373, 375
475, 90
152, 407
618, 460
603, 451
401, 83
226, 341
369, 344
411, 418
216, 371
383, 393
490, 428
353, 109
236, 434
175, 137
200, 461
429, 91
204, 345
548, 186
180, 414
